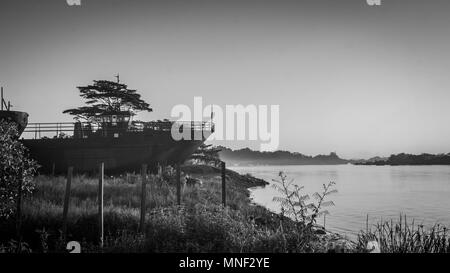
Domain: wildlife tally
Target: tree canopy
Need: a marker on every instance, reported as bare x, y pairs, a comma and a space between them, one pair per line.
207, 154
108, 98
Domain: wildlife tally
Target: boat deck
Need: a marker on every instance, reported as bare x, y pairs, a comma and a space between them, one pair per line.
89, 130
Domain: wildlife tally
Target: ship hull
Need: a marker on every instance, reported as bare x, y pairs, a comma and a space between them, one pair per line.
125, 154
19, 118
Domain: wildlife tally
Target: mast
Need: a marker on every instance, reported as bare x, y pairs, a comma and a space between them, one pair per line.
3, 102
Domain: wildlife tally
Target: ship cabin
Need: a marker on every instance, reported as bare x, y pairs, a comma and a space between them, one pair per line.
112, 125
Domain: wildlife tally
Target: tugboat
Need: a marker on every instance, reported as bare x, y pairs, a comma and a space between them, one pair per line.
113, 138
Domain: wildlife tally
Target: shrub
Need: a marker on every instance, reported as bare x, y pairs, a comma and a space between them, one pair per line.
293, 202
16, 169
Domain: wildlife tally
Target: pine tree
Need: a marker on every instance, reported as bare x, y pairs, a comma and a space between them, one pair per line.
108, 98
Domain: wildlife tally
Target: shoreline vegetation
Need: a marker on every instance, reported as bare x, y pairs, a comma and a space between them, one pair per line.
200, 224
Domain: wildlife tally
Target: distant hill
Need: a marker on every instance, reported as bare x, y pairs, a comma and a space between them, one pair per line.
370, 160
410, 159
247, 157
250, 157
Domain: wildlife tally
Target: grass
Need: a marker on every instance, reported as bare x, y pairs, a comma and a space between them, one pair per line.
201, 224
402, 236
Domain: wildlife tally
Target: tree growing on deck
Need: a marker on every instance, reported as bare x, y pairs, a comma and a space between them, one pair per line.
16, 169
108, 98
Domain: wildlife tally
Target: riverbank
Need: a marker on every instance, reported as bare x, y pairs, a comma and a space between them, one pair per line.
200, 224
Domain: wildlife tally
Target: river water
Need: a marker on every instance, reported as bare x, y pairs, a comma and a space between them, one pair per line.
421, 193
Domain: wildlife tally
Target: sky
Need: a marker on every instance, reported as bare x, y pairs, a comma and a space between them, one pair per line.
349, 78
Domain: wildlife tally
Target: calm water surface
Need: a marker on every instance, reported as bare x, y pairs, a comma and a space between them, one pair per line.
381, 192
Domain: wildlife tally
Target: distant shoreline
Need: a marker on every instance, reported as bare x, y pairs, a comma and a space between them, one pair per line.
247, 157
354, 164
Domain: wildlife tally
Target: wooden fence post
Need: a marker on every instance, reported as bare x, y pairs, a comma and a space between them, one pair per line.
143, 196
224, 188
100, 202
178, 184
66, 201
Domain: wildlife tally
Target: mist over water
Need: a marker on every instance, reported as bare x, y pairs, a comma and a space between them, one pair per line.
382, 192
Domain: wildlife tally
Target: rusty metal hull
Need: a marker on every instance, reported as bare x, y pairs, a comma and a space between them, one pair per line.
124, 154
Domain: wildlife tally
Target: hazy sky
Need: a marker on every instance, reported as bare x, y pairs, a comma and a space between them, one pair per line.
350, 78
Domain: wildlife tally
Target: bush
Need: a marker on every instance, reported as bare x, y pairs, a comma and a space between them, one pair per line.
294, 202
16, 169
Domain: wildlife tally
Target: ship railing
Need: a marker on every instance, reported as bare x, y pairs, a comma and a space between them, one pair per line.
49, 129
169, 125
86, 129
